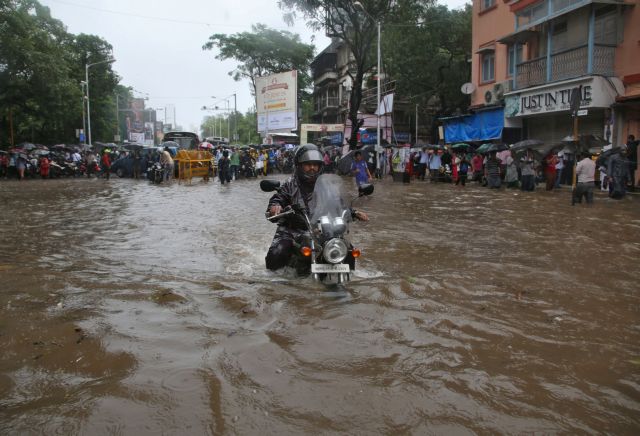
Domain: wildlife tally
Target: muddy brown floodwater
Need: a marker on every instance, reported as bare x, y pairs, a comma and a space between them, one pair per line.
129, 308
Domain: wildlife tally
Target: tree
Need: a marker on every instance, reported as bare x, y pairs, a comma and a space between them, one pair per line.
103, 82
428, 57
264, 51
355, 23
246, 126
41, 67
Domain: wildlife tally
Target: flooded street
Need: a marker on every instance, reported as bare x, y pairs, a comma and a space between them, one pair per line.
129, 308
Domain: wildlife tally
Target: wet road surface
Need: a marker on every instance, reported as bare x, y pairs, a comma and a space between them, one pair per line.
129, 308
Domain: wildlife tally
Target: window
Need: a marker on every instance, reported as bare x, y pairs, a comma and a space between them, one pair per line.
605, 31
531, 14
486, 4
514, 57
488, 67
559, 37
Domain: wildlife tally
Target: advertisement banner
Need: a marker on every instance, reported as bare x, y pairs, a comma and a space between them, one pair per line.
277, 101
148, 133
136, 138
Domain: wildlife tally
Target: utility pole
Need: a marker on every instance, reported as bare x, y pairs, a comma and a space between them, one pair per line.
86, 78
416, 124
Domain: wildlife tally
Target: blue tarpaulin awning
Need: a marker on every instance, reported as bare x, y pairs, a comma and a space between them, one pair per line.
481, 126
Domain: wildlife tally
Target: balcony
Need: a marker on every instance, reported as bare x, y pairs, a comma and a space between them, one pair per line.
566, 64
322, 103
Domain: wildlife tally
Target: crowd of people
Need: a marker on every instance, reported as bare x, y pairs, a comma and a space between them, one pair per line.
612, 170
526, 169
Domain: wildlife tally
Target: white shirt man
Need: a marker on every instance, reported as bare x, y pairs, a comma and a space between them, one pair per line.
585, 173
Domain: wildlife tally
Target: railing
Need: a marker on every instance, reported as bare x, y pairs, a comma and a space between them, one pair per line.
569, 63
603, 59
531, 73
565, 64
326, 102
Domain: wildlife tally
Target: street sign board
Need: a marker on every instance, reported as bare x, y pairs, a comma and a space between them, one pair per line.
582, 112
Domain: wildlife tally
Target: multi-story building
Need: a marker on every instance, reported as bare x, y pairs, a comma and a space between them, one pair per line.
528, 56
331, 71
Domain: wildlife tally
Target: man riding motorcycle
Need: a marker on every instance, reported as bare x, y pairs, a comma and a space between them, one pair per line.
297, 190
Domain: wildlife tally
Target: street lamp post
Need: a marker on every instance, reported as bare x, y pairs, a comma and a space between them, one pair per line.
86, 79
84, 123
235, 118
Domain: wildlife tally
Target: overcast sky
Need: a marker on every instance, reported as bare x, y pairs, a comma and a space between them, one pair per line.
158, 46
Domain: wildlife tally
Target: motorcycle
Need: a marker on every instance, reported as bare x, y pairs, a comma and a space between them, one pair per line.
322, 249
156, 173
247, 171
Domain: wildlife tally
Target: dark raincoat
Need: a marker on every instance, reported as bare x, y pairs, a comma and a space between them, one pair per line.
618, 171
290, 228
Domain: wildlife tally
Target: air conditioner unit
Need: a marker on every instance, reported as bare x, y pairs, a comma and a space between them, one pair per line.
490, 97
501, 88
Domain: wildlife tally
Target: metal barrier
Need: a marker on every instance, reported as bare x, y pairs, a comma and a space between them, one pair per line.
194, 163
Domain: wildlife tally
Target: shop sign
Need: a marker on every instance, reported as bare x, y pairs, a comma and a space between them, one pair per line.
403, 136
558, 98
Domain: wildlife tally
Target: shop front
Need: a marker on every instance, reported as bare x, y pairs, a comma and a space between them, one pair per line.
545, 111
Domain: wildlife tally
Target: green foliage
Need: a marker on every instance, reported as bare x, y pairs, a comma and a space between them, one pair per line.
356, 26
41, 67
426, 50
425, 46
247, 127
264, 51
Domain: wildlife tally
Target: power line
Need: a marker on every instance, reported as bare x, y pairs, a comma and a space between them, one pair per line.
149, 17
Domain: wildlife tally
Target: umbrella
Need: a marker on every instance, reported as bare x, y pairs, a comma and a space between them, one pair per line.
586, 141
436, 147
460, 146
40, 152
611, 151
133, 147
483, 148
527, 143
206, 145
497, 147
170, 144
27, 146
244, 147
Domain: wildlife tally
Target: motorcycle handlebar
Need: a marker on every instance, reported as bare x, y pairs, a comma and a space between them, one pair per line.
281, 215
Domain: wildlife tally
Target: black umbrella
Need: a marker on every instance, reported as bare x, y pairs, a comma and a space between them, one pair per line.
460, 146
497, 147
586, 141
527, 143
611, 151
27, 146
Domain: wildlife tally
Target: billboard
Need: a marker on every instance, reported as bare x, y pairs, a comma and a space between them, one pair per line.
277, 101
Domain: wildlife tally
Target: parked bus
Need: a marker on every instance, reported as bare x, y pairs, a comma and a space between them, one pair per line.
217, 141
186, 140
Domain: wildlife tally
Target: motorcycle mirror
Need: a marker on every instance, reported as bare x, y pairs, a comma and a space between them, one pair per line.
269, 185
365, 189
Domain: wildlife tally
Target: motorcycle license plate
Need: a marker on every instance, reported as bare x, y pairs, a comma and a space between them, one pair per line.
323, 268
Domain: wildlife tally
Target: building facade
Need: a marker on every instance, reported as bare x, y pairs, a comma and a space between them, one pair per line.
528, 56
331, 71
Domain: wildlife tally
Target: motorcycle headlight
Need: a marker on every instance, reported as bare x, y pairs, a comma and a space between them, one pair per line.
335, 250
